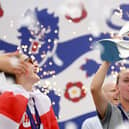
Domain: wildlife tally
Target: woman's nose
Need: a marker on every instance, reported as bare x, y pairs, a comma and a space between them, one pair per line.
36, 67
35, 64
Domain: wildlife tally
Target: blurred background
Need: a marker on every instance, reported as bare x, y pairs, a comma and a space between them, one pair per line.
60, 34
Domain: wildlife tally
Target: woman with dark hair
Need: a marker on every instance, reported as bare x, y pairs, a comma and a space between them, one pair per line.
7, 63
20, 106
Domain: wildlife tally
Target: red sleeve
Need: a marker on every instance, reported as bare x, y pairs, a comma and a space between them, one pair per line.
13, 106
49, 120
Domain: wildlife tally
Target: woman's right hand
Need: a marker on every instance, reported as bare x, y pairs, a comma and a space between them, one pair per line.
9, 63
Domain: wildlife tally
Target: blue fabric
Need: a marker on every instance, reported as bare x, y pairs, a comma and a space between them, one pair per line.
110, 51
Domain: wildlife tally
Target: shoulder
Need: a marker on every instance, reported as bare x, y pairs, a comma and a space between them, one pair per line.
41, 96
112, 116
111, 109
42, 102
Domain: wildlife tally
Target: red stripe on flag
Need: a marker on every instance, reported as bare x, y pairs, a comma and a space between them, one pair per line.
13, 106
49, 120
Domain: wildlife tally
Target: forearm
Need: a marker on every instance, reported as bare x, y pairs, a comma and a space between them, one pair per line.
99, 77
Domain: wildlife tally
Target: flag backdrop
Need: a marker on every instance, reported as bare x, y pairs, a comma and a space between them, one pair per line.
60, 35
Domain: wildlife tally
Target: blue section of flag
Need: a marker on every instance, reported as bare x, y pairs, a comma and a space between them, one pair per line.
125, 17
90, 67
7, 47
78, 120
70, 50
47, 30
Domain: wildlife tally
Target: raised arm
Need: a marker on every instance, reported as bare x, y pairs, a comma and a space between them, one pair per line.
96, 89
7, 63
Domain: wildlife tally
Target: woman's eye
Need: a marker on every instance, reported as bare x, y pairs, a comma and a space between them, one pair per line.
127, 80
30, 61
